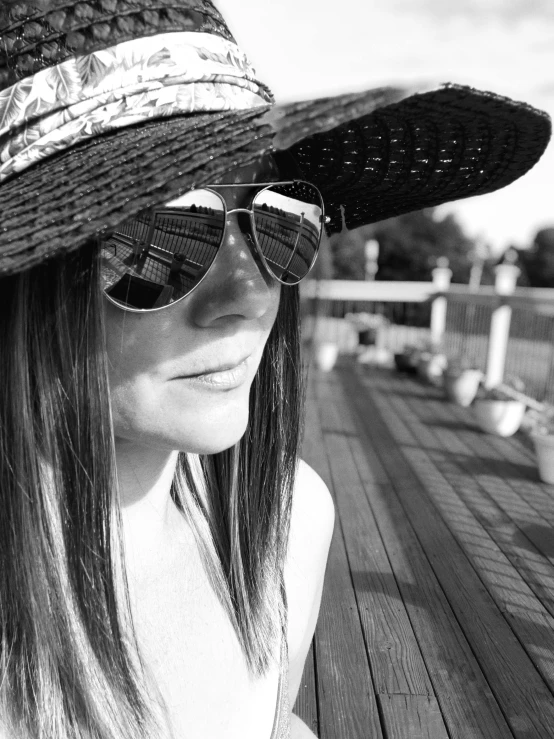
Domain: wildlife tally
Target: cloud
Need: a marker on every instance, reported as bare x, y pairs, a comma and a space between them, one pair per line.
504, 11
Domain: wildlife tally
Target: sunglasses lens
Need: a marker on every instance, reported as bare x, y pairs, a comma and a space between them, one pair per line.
289, 223
157, 258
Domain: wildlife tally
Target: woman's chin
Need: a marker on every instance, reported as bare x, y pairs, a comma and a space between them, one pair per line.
168, 426
213, 443
207, 435
210, 433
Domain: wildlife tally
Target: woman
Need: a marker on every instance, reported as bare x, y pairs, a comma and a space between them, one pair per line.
162, 546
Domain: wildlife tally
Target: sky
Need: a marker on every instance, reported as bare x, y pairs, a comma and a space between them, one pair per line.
311, 48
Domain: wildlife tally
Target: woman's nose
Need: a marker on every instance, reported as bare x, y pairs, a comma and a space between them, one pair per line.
237, 285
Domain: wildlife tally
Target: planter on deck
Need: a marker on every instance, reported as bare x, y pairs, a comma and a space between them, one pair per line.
461, 388
500, 417
544, 449
430, 367
325, 355
406, 362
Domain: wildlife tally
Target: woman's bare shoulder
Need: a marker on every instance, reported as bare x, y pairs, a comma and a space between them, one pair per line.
313, 512
311, 527
312, 522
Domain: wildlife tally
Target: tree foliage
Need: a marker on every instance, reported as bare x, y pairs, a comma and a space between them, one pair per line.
409, 246
537, 262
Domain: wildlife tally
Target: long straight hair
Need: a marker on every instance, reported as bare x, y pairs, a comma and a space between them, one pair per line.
69, 662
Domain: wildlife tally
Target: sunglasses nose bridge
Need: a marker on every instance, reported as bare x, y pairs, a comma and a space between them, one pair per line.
250, 215
239, 210
247, 211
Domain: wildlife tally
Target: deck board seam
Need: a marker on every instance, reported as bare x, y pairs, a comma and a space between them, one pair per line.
502, 608
452, 607
440, 588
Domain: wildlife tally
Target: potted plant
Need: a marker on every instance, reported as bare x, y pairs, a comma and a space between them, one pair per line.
325, 355
497, 410
431, 363
461, 380
407, 360
367, 326
540, 423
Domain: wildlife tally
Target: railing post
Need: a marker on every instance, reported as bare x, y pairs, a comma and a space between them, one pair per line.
441, 282
371, 250
505, 283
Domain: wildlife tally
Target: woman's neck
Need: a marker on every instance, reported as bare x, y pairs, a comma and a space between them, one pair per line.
152, 524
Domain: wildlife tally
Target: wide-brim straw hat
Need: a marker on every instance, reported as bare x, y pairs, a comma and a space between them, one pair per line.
108, 107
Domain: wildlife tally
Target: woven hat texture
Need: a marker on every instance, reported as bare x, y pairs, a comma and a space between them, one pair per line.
38, 34
372, 154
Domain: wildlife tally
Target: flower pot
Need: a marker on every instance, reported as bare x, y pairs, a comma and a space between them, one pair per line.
500, 417
544, 449
430, 367
367, 336
404, 362
325, 355
422, 365
462, 388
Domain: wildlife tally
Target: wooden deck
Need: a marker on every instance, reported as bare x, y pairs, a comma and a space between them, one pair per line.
437, 620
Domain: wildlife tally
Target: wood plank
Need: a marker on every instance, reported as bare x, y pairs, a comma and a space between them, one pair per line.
513, 452
313, 448
347, 705
306, 702
518, 530
412, 717
512, 445
405, 693
396, 662
524, 516
518, 473
500, 458
522, 694
466, 701
514, 449
505, 584
489, 468
395, 657
346, 699
536, 493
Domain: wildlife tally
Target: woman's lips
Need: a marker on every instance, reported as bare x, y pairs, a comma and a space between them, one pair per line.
225, 377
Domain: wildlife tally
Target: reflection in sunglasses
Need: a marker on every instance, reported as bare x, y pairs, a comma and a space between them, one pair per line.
288, 241
160, 256
164, 257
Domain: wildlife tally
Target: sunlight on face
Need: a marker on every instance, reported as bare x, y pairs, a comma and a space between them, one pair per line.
180, 377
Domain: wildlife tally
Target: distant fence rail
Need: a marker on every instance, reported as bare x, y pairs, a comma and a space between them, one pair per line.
327, 303
368, 292
503, 330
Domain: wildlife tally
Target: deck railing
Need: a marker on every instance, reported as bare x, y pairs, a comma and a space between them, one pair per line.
503, 330
327, 305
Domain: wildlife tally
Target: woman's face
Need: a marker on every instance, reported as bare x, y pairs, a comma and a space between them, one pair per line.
180, 377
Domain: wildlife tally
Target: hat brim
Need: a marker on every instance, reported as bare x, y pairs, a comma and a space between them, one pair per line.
373, 155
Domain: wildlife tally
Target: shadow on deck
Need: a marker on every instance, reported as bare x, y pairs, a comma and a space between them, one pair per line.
437, 620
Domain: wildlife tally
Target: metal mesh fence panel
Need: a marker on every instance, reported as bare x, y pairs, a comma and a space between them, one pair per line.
467, 332
530, 355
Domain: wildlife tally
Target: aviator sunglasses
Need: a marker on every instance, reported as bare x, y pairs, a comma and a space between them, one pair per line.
160, 256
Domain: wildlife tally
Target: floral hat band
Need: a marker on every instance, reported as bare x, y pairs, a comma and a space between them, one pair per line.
163, 75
